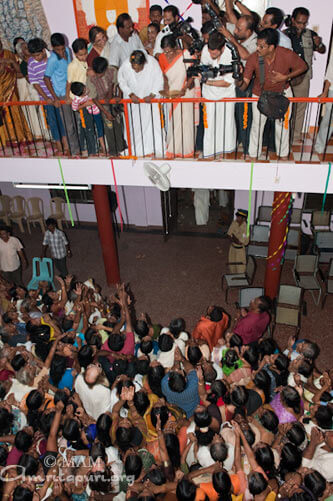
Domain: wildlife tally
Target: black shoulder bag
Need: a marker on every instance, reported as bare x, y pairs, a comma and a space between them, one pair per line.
273, 105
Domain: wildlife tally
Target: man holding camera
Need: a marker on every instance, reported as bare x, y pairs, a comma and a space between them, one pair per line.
280, 66
170, 17
304, 42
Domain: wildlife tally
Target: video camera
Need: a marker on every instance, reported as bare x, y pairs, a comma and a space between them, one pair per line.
209, 72
182, 28
208, 5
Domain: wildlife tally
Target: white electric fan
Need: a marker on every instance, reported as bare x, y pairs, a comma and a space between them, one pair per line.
158, 175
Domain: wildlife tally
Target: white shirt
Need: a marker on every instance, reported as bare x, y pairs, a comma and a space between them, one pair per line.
121, 50
95, 400
284, 41
322, 461
166, 358
9, 259
20, 389
209, 91
163, 33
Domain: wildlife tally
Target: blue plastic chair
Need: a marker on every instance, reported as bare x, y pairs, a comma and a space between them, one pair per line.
42, 269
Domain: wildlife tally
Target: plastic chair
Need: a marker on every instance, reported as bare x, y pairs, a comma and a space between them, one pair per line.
42, 270
305, 274
328, 280
17, 211
288, 307
238, 280
35, 213
5, 209
58, 205
258, 246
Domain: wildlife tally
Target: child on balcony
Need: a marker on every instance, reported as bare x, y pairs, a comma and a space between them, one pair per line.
77, 72
36, 69
82, 101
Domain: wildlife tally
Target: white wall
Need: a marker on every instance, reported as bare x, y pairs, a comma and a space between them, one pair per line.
140, 206
321, 15
61, 18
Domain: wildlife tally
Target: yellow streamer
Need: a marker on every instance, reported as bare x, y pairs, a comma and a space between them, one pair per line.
161, 115
280, 246
204, 114
279, 205
245, 115
286, 118
83, 122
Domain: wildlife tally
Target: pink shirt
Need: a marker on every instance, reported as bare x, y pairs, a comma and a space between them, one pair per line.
14, 456
77, 100
252, 327
127, 349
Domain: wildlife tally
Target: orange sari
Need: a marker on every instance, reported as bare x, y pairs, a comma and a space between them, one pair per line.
181, 116
15, 128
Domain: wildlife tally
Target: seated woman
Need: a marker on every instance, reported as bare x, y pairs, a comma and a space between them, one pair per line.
140, 78
287, 405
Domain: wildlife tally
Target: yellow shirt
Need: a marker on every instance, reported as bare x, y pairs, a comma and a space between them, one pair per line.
52, 335
77, 72
239, 231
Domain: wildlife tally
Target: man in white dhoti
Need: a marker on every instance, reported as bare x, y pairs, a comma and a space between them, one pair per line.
140, 77
219, 119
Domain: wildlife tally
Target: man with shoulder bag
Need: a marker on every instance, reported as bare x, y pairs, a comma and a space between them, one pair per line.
273, 67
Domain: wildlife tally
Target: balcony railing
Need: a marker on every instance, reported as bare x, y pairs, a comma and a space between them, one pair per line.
167, 129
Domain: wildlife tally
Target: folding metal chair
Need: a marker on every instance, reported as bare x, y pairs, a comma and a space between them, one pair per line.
293, 244
288, 307
259, 238
264, 214
238, 280
305, 274
324, 245
328, 281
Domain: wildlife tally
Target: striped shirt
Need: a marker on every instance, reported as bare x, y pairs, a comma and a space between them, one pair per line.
93, 109
36, 70
57, 242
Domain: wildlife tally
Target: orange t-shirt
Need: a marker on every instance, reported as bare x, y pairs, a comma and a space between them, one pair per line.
210, 331
209, 490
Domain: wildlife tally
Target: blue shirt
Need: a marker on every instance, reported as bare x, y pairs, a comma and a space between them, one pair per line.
66, 381
189, 399
56, 70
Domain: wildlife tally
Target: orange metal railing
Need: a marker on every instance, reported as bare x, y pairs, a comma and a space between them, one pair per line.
10, 142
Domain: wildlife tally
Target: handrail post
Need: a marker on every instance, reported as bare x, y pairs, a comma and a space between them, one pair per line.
128, 132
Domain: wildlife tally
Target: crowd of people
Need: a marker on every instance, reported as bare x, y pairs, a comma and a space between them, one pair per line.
153, 63
97, 402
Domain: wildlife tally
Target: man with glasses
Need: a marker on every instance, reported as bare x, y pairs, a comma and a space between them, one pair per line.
304, 42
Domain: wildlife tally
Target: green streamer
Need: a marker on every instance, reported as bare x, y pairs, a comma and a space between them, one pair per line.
66, 194
250, 202
326, 186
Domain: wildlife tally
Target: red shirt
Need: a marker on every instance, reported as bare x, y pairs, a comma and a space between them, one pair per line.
127, 349
285, 61
252, 327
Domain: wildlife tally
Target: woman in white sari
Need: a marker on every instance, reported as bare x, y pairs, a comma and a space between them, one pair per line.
140, 77
181, 116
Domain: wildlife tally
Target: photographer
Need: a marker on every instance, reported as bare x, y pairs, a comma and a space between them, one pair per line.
280, 66
170, 17
220, 129
304, 42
